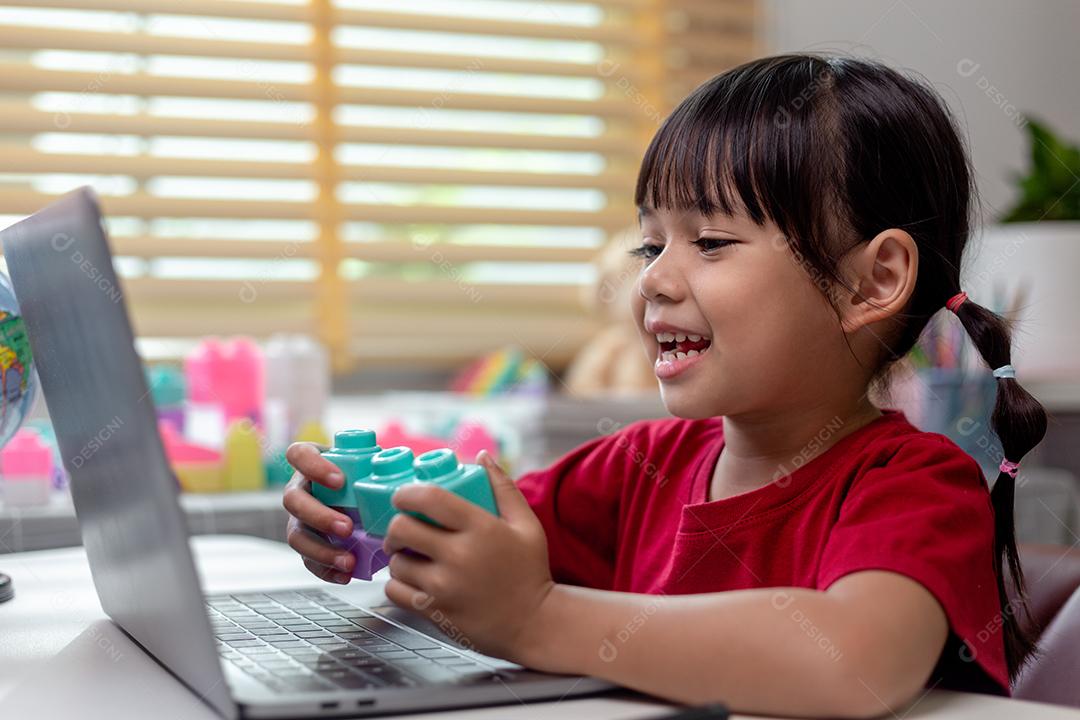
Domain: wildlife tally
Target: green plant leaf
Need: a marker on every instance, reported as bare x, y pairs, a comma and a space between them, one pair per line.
1051, 189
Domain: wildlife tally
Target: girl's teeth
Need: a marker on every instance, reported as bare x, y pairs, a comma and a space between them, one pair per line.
692, 353
693, 338
667, 356
680, 355
680, 338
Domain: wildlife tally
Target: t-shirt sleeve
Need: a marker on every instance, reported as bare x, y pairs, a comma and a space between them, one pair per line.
577, 500
926, 514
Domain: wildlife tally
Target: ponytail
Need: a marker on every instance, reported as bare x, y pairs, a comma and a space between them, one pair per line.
1019, 422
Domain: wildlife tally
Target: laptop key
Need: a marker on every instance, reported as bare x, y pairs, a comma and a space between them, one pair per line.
258, 650
396, 654
405, 638
363, 662
439, 653
243, 643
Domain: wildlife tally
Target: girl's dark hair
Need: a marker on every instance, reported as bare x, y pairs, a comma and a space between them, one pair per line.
834, 150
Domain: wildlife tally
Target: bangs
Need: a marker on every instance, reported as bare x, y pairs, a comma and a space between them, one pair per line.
744, 142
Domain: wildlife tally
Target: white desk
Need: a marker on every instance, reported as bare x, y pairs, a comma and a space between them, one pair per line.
61, 658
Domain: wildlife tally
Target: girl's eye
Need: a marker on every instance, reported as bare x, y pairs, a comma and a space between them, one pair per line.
646, 251
712, 244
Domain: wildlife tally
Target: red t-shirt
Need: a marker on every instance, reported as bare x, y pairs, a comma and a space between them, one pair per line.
628, 511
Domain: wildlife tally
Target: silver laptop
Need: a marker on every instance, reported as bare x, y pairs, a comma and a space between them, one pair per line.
280, 653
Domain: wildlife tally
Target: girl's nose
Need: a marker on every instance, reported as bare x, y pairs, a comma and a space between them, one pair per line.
660, 280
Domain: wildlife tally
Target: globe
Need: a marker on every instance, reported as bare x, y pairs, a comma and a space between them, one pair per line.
18, 381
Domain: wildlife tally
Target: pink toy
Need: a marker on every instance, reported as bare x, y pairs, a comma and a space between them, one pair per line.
231, 373
197, 468
393, 434
26, 464
472, 437
178, 450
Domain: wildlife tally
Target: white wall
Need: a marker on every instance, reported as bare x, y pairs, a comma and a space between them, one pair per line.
992, 61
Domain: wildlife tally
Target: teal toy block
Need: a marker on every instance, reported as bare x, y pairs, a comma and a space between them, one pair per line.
352, 452
394, 467
278, 470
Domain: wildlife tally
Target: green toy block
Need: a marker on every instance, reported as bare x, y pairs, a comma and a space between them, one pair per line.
394, 467
352, 452
278, 470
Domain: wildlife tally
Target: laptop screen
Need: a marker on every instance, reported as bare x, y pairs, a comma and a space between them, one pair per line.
124, 492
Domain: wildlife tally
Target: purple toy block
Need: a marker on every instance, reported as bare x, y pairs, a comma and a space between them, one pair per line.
368, 552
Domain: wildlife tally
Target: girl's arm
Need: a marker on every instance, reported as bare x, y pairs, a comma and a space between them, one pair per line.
862, 648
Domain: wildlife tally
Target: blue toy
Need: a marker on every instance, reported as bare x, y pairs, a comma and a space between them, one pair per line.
372, 475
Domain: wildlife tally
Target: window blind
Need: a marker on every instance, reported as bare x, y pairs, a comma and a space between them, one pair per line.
413, 183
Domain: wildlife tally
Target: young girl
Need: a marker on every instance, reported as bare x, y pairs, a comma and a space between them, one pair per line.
781, 545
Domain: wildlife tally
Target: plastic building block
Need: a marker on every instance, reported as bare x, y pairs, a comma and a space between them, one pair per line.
198, 469
313, 432
297, 383
352, 453
371, 477
392, 468
168, 389
278, 470
27, 466
368, 551
230, 372
244, 469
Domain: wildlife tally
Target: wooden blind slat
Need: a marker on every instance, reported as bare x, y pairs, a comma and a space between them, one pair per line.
17, 77
19, 117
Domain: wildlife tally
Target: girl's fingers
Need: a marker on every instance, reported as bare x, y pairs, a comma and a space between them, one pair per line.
410, 569
405, 531
444, 507
404, 595
307, 460
303, 506
312, 547
327, 574
511, 503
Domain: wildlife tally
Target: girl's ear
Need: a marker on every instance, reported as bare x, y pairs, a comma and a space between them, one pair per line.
882, 274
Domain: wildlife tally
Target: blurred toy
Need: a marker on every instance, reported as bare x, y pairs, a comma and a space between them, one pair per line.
244, 469
45, 429
169, 390
26, 470
613, 362
394, 433
278, 469
503, 371
197, 468
230, 373
297, 385
471, 437
313, 432
371, 477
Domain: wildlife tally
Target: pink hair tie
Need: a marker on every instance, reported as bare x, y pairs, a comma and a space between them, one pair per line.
956, 301
1009, 467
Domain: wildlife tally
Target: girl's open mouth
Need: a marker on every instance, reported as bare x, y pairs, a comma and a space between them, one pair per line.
678, 353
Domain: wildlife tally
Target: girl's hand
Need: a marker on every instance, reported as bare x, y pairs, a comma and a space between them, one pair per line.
482, 578
310, 517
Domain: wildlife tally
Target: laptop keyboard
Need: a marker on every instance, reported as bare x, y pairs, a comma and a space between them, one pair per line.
311, 641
